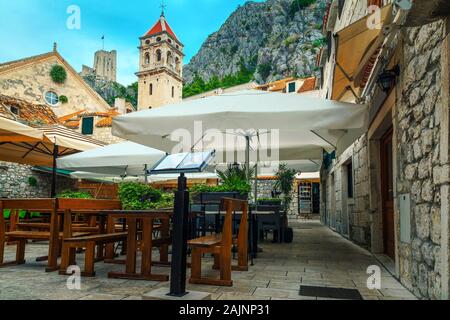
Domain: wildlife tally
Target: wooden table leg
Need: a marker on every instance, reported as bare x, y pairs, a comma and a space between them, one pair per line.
53, 248
110, 227
147, 233
132, 245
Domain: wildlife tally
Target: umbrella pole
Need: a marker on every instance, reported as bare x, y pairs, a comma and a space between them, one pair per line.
55, 156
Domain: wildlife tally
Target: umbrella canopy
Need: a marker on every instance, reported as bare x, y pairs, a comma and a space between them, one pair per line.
306, 125
154, 178
41, 152
55, 141
13, 131
121, 159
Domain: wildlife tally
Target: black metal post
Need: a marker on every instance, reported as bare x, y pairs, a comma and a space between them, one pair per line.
179, 239
55, 156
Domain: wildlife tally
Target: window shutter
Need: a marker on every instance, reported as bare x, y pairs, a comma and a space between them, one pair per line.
322, 80
329, 43
341, 7
87, 126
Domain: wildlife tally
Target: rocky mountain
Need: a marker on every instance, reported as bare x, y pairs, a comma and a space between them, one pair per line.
111, 90
273, 39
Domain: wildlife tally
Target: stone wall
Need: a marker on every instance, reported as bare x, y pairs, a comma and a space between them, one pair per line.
418, 150
265, 188
14, 182
348, 216
104, 134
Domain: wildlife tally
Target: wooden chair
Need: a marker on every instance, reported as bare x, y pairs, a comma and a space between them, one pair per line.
219, 245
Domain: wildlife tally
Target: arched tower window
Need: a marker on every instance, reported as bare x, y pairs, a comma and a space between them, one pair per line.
151, 89
169, 59
177, 64
147, 58
158, 55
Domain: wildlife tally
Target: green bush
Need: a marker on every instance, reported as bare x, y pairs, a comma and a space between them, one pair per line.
58, 74
63, 99
244, 75
264, 69
139, 196
69, 194
32, 181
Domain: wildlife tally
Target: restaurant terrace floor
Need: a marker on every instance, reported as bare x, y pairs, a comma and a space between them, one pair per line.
317, 257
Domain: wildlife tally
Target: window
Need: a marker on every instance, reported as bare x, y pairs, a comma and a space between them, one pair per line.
170, 41
350, 180
147, 41
177, 64
291, 87
87, 126
158, 39
158, 55
169, 59
173, 92
151, 89
147, 58
51, 98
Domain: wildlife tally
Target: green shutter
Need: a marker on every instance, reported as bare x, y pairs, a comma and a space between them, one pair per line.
87, 126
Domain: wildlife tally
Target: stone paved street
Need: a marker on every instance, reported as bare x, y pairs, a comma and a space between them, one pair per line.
317, 257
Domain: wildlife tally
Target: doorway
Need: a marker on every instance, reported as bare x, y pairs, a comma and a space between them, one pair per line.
387, 194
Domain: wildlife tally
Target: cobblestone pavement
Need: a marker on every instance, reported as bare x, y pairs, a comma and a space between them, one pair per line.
317, 257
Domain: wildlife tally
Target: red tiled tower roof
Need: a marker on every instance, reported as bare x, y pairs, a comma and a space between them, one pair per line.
161, 26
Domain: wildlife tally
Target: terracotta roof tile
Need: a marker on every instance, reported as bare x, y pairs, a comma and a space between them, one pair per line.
161, 26
308, 85
33, 114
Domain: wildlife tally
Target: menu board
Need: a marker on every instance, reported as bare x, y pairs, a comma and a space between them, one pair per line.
188, 162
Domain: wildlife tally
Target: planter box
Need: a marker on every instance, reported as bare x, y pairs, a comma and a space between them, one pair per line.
214, 197
269, 203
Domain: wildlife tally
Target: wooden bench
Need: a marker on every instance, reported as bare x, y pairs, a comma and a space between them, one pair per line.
89, 243
21, 237
219, 245
55, 207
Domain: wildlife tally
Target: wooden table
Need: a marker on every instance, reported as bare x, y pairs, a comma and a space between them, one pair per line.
146, 219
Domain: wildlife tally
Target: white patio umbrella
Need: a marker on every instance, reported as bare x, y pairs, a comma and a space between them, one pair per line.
306, 125
154, 178
120, 160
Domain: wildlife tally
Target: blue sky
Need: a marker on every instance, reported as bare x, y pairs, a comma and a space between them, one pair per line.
29, 27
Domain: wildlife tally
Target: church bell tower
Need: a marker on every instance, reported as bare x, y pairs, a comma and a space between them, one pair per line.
160, 67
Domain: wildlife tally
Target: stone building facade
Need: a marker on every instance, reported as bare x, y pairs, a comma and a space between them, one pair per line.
400, 169
29, 79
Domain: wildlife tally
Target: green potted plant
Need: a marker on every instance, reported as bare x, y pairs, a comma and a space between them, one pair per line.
235, 183
285, 183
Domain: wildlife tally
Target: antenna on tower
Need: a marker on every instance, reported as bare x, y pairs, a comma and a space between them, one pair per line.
163, 7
